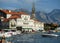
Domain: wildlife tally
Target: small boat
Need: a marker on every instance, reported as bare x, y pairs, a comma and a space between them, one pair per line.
12, 31
5, 34
9, 32
50, 35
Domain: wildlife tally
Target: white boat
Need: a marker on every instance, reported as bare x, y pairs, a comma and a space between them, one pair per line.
12, 31
50, 35
9, 32
18, 32
5, 34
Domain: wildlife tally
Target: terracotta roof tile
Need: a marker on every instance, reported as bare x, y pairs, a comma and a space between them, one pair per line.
14, 17
7, 12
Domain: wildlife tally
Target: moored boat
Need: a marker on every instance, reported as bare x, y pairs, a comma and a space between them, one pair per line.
50, 35
5, 34
12, 31
9, 32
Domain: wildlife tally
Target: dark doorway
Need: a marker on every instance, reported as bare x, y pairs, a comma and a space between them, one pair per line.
19, 28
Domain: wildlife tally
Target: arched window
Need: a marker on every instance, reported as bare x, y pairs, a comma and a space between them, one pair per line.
13, 23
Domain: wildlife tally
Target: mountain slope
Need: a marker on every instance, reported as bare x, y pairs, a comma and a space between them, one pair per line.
55, 16
42, 16
52, 17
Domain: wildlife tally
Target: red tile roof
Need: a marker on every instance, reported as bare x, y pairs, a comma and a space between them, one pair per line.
11, 17
36, 20
13, 13
14, 17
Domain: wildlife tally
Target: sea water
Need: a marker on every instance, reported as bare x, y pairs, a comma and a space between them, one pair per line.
33, 38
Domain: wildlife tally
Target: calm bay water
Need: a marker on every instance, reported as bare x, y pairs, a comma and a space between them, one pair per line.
33, 38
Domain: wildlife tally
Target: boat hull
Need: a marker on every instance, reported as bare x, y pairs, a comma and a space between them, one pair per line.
49, 35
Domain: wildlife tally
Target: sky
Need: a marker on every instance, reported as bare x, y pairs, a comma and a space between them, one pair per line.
40, 5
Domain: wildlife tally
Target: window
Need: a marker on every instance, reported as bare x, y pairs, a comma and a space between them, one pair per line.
13, 24
25, 23
25, 18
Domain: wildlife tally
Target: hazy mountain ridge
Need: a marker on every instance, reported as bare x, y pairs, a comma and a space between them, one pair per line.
55, 16
52, 17
42, 16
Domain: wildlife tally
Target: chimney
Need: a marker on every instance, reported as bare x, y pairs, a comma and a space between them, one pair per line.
9, 11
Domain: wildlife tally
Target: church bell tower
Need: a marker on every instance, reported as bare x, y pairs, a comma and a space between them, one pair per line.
33, 10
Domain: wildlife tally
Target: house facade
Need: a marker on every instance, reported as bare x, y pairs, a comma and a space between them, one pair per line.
38, 25
25, 22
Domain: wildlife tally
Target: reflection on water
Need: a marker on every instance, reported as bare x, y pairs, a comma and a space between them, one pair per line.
33, 38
